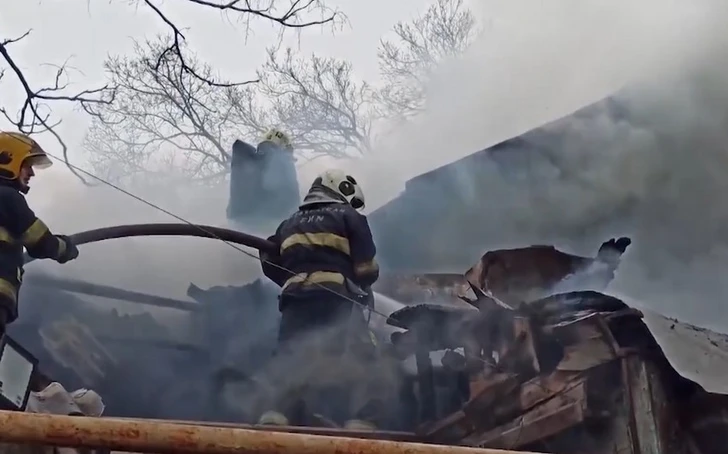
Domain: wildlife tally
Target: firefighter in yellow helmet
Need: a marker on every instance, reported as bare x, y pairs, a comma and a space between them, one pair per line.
19, 227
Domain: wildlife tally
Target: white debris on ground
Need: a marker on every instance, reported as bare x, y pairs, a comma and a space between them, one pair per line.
55, 399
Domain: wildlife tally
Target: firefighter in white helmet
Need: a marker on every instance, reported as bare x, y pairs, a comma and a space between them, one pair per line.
325, 264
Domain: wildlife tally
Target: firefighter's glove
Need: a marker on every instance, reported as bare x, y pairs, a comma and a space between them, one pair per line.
70, 252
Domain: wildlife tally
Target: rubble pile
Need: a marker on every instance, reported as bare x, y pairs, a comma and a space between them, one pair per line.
142, 367
532, 356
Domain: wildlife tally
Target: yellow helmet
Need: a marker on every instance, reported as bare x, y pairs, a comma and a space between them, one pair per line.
279, 138
15, 149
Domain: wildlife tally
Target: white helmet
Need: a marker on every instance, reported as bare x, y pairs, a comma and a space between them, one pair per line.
279, 138
343, 185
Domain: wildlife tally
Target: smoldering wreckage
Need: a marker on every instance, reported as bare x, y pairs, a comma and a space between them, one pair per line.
531, 354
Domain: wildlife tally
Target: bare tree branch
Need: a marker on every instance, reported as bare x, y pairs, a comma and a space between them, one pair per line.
317, 100
288, 16
34, 115
166, 116
166, 113
294, 15
445, 30
172, 110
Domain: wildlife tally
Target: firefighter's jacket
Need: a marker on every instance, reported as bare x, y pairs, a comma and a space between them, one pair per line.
323, 245
263, 185
19, 227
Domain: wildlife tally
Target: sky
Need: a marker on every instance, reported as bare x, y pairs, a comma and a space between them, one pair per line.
102, 28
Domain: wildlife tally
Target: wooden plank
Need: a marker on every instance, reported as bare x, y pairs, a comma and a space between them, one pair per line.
586, 327
107, 291
523, 330
651, 433
532, 393
552, 417
537, 390
452, 422
587, 354
502, 385
538, 428
510, 407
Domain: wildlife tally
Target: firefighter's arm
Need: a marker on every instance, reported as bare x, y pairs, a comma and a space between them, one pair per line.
363, 250
35, 235
242, 152
270, 263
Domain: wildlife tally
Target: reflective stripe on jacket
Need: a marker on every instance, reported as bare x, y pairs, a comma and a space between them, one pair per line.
322, 246
19, 227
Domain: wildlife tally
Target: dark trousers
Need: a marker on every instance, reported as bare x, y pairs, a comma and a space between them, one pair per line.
324, 356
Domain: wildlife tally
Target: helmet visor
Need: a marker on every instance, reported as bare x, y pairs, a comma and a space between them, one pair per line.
38, 161
357, 203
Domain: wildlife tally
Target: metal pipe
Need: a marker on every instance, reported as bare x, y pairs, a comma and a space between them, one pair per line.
327, 431
171, 229
164, 437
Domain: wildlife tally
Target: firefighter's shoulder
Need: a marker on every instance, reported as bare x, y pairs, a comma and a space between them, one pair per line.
353, 215
10, 197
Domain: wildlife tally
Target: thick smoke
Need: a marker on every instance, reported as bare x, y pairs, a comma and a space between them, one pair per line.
652, 168
648, 163
534, 63
161, 265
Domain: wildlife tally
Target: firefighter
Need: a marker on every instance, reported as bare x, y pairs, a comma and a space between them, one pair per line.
325, 266
263, 182
19, 227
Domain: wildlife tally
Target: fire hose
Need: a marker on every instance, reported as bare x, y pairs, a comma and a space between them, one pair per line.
170, 229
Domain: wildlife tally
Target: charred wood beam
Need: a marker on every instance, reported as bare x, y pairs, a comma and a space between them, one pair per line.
106, 291
534, 426
552, 416
426, 382
155, 343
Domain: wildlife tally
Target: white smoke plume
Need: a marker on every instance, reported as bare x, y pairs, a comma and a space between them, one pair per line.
656, 173
533, 63
160, 265
651, 165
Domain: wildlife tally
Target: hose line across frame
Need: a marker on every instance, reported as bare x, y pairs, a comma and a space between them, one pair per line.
169, 229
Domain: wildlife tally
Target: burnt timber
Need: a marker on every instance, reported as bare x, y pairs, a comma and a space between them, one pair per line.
571, 372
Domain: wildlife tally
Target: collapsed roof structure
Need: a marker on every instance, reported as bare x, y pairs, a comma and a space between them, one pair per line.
454, 197
568, 372
536, 357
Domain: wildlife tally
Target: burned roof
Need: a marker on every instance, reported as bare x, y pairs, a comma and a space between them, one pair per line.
437, 197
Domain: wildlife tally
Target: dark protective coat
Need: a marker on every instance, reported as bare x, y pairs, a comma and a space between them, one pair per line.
263, 184
323, 245
19, 227
325, 262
